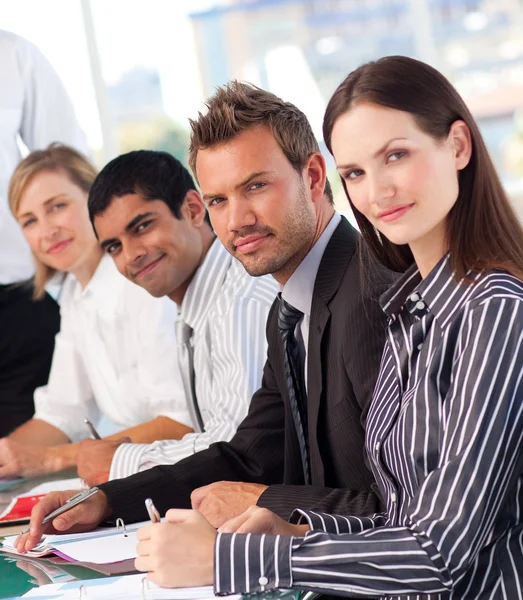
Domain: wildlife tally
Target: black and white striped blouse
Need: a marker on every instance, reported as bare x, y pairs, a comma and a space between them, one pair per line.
444, 437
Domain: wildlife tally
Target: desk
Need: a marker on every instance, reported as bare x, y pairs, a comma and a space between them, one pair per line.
13, 580
19, 575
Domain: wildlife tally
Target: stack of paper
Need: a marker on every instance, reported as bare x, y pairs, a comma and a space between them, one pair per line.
101, 546
128, 587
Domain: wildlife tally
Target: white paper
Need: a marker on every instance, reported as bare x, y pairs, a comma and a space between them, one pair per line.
109, 549
55, 486
103, 545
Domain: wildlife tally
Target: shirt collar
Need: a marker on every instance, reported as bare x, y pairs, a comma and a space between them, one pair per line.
299, 288
440, 292
205, 285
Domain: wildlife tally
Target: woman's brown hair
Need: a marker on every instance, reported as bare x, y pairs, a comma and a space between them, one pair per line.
483, 230
56, 157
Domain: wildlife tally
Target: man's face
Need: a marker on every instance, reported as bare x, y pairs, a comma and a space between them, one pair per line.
149, 245
260, 207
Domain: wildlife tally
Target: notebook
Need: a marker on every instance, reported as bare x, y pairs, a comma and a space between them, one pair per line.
101, 546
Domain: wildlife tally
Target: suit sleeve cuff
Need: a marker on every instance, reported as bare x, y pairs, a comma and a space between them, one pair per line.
248, 563
127, 460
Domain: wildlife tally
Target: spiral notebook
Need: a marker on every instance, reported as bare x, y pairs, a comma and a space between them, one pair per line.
101, 546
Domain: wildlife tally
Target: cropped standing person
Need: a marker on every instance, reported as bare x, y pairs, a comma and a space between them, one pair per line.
34, 105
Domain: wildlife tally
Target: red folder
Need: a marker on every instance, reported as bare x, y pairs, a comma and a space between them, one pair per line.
19, 509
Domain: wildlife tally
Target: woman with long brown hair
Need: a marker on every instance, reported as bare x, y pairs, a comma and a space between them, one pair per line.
445, 430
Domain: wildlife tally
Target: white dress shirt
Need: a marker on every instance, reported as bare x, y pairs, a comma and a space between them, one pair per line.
299, 288
34, 105
115, 355
227, 310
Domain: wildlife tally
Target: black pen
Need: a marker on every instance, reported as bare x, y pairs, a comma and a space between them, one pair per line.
93, 431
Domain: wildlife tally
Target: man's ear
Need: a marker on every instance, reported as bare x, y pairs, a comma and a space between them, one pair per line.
193, 209
315, 173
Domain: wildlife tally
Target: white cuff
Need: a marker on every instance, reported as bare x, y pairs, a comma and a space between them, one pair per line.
127, 460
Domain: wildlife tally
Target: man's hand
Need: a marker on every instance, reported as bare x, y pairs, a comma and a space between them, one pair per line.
179, 552
262, 520
83, 517
18, 459
94, 459
222, 501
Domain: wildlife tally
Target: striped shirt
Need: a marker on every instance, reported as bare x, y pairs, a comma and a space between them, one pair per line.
444, 438
227, 310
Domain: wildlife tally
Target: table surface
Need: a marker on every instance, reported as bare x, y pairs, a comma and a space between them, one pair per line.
18, 576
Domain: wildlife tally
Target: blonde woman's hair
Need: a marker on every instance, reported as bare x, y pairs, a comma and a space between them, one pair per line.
56, 157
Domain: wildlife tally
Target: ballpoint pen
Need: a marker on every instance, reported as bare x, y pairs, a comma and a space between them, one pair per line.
154, 515
93, 431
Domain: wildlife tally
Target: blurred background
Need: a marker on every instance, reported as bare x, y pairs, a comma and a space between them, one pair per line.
137, 69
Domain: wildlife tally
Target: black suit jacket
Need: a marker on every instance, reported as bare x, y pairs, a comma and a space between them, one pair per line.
346, 338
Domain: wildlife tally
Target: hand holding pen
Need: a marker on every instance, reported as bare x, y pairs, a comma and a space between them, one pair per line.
64, 512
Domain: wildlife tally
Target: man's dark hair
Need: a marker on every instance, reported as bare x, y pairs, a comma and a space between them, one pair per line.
151, 174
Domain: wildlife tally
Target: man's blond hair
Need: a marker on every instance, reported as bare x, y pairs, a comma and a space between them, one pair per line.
239, 106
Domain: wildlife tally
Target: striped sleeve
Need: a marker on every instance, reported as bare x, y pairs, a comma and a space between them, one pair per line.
451, 516
336, 523
238, 350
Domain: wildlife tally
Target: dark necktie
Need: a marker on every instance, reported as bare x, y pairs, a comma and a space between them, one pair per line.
288, 318
186, 363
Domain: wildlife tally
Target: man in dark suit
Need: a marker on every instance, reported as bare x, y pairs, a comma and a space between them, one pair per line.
264, 183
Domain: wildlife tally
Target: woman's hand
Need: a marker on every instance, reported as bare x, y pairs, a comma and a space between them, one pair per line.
262, 520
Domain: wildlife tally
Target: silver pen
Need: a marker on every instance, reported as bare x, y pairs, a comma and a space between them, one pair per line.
154, 515
68, 504
93, 431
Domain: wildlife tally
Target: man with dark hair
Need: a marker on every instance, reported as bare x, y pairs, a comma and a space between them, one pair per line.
302, 443
151, 220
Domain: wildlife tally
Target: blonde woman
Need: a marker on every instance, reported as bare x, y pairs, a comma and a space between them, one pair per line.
115, 354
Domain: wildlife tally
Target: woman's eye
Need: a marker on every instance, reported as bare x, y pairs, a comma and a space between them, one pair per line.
58, 205
396, 155
28, 222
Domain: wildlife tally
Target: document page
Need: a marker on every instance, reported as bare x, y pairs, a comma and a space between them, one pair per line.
101, 546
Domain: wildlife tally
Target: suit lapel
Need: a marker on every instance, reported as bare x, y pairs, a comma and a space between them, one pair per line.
337, 255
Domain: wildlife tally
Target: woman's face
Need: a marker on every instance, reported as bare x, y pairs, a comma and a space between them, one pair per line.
401, 179
54, 219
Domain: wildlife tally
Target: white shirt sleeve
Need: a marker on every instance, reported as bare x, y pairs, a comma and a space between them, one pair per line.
237, 353
48, 113
157, 372
67, 399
